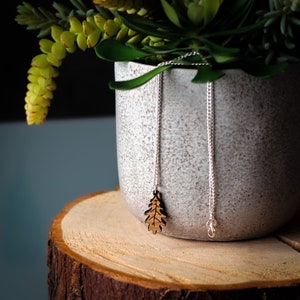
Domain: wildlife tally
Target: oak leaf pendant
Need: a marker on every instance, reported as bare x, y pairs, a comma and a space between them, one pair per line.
156, 213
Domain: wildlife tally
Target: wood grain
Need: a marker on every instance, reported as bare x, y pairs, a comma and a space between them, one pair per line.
98, 250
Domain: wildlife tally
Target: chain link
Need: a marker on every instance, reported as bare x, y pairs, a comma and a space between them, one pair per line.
211, 224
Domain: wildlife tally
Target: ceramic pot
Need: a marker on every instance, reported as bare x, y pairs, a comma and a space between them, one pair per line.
257, 151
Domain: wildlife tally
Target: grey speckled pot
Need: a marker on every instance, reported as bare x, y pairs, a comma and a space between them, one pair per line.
257, 151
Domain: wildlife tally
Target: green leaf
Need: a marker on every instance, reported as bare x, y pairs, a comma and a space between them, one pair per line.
207, 74
211, 8
221, 59
170, 12
216, 49
138, 81
149, 27
112, 50
195, 13
238, 30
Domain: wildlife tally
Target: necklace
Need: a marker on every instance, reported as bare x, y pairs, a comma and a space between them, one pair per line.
156, 214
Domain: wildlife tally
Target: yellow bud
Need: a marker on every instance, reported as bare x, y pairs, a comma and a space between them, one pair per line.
135, 39
45, 45
146, 40
93, 38
122, 33
48, 93
33, 87
110, 28
34, 71
131, 32
131, 11
44, 84
58, 51
32, 78
87, 28
142, 12
67, 39
56, 32
36, 114
91, 21
39, 61
75, 25
81, 41
33, 99
53, 60
48, 72
118, 21
99, 21
155, 38
157, 44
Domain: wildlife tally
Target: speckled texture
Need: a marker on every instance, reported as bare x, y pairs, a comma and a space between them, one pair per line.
257, 151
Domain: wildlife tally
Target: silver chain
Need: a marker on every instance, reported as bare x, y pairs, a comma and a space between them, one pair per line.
210, 119
156, 179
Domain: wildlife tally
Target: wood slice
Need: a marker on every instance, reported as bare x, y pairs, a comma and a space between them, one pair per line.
98, 250
290, 233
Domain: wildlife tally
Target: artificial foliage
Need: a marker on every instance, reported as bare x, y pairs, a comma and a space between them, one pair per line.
260, 37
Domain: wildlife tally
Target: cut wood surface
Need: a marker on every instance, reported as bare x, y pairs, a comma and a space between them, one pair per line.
98, 250
290, 234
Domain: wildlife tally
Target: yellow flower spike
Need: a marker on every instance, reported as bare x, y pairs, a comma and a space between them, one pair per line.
39, 61
67, 39
45, 45
75, 25
35, 115
81, 41
93, 38
34, 110
56, 32
58, 51
99, 21
54, 61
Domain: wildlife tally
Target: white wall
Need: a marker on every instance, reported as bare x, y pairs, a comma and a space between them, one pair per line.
42, 168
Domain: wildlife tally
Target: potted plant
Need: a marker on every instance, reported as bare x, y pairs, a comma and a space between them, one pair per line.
213, 46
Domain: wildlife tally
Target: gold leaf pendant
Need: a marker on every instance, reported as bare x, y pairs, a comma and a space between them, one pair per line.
156, 213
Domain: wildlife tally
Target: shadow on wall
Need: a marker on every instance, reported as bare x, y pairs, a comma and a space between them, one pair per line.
42, 169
